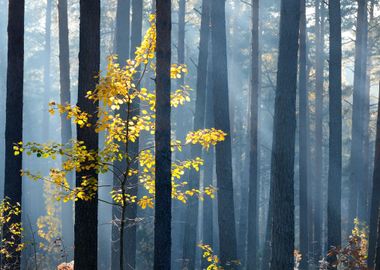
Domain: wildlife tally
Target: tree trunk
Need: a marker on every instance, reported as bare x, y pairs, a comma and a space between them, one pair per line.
66, 131
377, 260
209, 155
303, 140
318, 167
335, 125
162, 221
86, 212
132, 185
190, 234
14, 119
282, 172
122, 42
356, 176
226, 210
252, 241
375, 201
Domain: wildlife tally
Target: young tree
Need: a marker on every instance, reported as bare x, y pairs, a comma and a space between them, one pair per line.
303, 139
252, 240
335, 126
65, 98
122, 43
282, 172
131, 210
14, 119
226, 212
86, 212
190, 234
162, 216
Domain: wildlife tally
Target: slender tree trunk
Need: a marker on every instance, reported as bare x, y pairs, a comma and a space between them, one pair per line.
335, 125
377, 256
14, 119
86, 212
303, 140
122, 43
163, 216
356, 176
226, 210
66, 131
47, 72
282, 172
318, 169
375, 201
132, 183
253, 235
190, 234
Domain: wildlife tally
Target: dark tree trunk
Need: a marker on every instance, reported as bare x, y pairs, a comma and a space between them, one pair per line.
66, 131
377, 256
209, 155
122, 43
357, 169
335, 125
14, 119
318, 165
163, 216
226, 212
252, 240
282, 171
190, 234
132, 185
303, 141
86, 212
375, 201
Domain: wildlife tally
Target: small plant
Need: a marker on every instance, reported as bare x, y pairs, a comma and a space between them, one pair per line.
353, 256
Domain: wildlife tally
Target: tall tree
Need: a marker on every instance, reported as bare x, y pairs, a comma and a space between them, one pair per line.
377, 256
357, 166
65, 98
162, 216
282, 171
318, 165
375, 201
190, 234
303, 139
14, 118
226, 212
86, 212
131, 211
335, 126
47, 70
122, 46
252, 240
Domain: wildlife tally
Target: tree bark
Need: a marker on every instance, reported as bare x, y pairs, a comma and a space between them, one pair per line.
335, 126
357, 165
86, 212
66, 131
252, 241
162, 221
190, 234
303, 140
318, 167
14, 118
282, 172
226, 209
375, 201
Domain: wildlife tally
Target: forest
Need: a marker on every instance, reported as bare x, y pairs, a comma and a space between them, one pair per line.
190, 134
